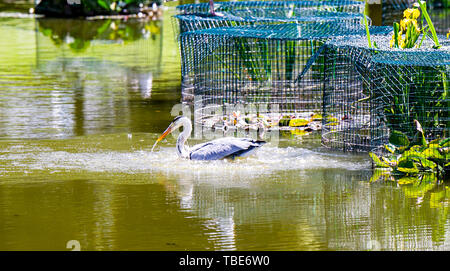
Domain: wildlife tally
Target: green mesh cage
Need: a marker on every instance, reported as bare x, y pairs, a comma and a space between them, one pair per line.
370, 93
279, 66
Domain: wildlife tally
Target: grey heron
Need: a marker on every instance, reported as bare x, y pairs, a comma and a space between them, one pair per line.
228, 147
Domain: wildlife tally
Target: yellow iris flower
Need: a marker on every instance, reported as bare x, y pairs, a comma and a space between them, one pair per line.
404, 24
411, 13
416, 13
409, 27
407, 13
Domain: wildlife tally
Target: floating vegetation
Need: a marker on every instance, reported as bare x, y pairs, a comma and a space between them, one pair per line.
299, 123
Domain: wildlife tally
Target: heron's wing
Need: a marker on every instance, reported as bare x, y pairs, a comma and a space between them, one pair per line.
223, 147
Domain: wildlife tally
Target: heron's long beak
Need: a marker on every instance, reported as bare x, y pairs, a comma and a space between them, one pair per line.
166, 132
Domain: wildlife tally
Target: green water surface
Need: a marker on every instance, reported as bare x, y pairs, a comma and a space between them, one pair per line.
81, 104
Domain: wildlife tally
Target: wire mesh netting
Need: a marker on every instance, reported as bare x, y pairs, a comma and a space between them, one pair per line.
370, 93
393, 10
277, 66
192, 22
439, 11
225, 7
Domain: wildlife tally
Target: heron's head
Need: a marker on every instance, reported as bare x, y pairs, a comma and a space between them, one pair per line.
176, 123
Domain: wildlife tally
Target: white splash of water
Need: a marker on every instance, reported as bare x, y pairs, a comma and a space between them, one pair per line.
266, 160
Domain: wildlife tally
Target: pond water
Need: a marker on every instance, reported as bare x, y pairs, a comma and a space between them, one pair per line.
81, 104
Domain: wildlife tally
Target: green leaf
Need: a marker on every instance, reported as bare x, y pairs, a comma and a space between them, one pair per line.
396, 34
445, 142
406, 162
399, 139
423, 7
408, 170
435, 141
103, 4
391, 148
377, 160
433, 153
388, 162
367, 30
410, 153
427, 163
417, 148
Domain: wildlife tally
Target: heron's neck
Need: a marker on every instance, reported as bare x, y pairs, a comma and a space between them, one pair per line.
182, 149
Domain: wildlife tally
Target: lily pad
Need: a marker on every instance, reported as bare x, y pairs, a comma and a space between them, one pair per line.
316, 117
298, 122
299, 132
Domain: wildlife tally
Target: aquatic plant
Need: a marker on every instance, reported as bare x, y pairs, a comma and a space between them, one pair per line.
422, 91
408, 31
422, 95
256, 69
413, 158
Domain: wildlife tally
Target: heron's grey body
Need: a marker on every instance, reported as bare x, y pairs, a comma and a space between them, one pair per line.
228, 147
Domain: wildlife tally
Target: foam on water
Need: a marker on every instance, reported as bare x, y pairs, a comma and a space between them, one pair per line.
265, 161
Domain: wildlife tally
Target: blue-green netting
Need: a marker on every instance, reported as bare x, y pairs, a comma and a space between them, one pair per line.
332, 5
318, 30
192, 22
279, 64
371, 92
